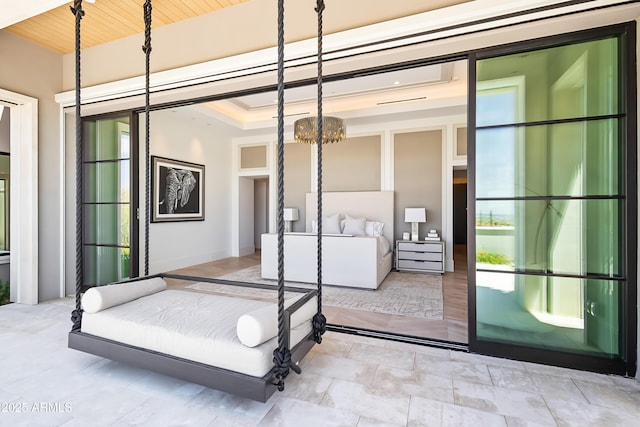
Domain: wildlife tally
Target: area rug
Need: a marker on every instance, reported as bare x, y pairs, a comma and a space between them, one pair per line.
403, 294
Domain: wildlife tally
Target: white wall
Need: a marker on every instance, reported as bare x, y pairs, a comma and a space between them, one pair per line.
179, 244
36, 72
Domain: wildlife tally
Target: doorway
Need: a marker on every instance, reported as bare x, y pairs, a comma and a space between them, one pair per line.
459, 207
260, 210
5, 180
253, 212
23, 210
109, 200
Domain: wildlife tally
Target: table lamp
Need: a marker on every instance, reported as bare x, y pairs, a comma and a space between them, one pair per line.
289, 215
415, 216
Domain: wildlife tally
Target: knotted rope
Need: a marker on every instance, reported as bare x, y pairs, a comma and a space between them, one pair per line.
76, 315
319, 321
281, 355
147, 50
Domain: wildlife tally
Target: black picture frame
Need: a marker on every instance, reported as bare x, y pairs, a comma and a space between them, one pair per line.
177, 190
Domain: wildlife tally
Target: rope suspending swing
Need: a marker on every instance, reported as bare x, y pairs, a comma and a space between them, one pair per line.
319, 320
76, 315
282, 354
146, 48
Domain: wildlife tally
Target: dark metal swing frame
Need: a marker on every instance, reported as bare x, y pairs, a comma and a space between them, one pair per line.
255, 388
285, 358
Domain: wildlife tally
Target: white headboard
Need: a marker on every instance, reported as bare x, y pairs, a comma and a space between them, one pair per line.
374, 205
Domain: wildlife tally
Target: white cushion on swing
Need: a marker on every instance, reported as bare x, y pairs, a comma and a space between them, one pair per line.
102, 297
261, 325
190, 325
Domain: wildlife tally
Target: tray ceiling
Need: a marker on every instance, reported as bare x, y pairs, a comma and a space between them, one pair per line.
398, 92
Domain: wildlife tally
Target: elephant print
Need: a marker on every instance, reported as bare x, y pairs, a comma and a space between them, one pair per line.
179, 185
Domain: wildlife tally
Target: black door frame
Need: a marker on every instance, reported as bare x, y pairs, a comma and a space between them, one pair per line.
626, 365
134, 245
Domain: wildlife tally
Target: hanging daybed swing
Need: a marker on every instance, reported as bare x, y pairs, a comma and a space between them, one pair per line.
232, 344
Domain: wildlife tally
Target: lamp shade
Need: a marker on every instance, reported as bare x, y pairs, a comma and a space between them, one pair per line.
290, 214
415, 215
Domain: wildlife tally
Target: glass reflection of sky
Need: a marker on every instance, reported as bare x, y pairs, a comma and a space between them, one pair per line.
495, 147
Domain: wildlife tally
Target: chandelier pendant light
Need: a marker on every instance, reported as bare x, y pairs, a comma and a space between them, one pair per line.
306, 130
312, 130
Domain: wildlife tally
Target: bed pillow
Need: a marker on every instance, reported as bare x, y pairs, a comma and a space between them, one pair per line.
374, 228
330, 225
314, 226
260, 325
102, 297
354, 226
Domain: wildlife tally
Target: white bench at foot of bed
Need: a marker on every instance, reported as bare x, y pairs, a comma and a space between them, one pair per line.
358, 262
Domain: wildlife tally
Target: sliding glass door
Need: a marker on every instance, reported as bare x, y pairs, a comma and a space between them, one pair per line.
109, 208
554, 211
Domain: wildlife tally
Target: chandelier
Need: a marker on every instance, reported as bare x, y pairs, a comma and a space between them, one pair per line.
306, 130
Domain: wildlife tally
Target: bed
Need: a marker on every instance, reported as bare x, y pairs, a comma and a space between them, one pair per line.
348, 259
219, 341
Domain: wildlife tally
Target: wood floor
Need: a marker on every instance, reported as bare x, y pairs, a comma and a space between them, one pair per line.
452, 328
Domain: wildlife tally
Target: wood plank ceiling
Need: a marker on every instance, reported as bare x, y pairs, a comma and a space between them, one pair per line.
108, 20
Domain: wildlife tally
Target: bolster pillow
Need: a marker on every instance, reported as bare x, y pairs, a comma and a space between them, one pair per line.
103, 297
261, 325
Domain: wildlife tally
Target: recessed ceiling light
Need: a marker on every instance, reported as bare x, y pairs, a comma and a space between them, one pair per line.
396, 83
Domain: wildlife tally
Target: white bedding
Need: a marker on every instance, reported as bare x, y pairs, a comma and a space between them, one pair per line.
384, 247
189, 325
357, 262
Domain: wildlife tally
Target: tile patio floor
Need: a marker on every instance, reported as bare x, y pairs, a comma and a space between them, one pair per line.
346, 381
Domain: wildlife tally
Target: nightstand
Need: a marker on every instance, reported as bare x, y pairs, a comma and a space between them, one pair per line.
422, 256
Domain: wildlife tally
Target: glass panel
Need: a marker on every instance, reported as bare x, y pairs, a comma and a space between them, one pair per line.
107, 139
103, 265
576, 80
575, 315
3, 215
106, 224
558, 236
565, 159
107, 182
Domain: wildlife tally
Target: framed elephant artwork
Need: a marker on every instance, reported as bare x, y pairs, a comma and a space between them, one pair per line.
177, 190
